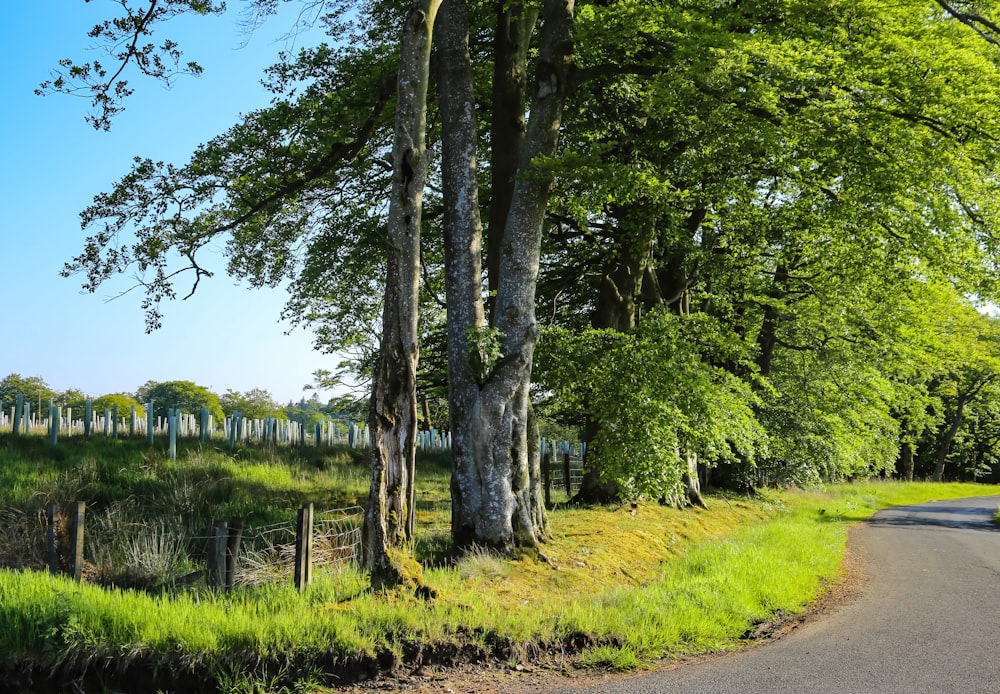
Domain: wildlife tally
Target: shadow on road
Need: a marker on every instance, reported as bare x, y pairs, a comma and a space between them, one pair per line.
938, 515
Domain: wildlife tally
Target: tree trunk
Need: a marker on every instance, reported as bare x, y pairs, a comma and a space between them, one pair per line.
692, 482
949, 437
463, 255
425, 412
389, 514
617, 293
767, 338
515, 24
497, 498
906, 461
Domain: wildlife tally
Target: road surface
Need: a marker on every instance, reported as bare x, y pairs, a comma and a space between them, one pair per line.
928, 619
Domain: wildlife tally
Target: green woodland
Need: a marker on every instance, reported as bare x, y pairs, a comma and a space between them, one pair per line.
733, 245
741, 243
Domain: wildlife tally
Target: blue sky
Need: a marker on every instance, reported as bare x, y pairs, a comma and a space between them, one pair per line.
226, 336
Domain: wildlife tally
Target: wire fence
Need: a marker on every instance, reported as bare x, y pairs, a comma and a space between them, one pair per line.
109, 548
269, 551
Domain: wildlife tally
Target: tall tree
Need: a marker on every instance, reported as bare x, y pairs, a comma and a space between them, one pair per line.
392, 414
187, 396
496, 486
777, 168
35, 390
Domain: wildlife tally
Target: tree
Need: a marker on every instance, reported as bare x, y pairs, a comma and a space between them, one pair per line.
514, 318
35, 390
747, 175
74, 399
123, 401
970, 365
496, 481
256, 403
658, 400
776, 168
306, 412
186, 396
392, 413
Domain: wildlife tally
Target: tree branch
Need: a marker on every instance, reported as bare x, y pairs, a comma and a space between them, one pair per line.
984, 27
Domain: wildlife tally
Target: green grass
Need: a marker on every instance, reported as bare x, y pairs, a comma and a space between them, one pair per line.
620, 587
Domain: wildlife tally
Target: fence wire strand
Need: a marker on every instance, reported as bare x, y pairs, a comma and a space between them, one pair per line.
122, 551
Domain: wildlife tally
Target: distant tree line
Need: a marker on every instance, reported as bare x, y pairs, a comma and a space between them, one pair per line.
187, 396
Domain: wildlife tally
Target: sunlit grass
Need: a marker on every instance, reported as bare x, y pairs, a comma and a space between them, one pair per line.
675, 583
618, 586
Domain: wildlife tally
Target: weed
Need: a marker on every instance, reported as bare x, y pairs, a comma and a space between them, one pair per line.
618, 658
479, 564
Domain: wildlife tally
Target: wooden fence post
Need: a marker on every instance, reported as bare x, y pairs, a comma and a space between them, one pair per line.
51, 534
547, 476
233, 550
76, 540
303, 547
568, 479
218, 540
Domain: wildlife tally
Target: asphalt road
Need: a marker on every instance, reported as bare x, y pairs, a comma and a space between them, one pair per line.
927, 619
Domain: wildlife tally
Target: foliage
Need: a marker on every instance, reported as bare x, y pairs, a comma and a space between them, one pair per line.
483, 351
186, 396
74, 399
122, 400
657, 395
306, 412
348, 407
755, 174
256, 403
35, 390
122, 37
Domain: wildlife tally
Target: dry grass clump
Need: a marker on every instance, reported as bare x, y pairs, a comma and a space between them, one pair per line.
22, 539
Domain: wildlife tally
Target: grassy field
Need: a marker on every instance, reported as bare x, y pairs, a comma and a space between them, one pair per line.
616, 587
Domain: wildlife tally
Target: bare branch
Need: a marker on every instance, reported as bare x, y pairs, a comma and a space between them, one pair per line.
986, 28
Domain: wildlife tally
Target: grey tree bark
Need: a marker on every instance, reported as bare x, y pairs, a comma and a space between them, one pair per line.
497, 498
389, 514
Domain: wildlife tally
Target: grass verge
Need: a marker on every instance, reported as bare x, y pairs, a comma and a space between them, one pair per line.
616, 587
